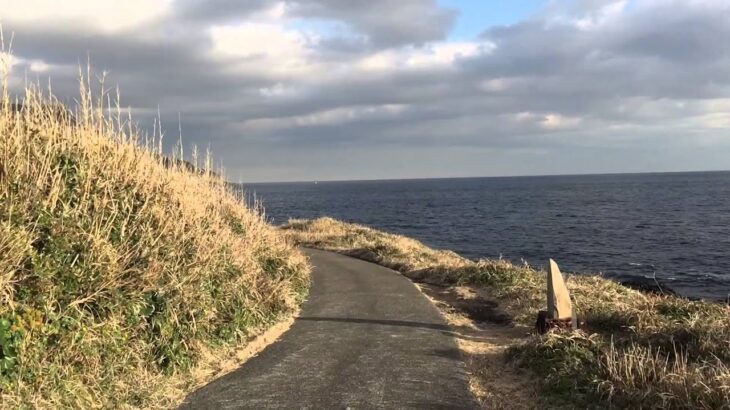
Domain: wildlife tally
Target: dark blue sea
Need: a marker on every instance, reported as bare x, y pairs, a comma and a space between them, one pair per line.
675, 225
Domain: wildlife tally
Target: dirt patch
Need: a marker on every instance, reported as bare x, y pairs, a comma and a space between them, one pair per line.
494, 381
467, 302
483, 333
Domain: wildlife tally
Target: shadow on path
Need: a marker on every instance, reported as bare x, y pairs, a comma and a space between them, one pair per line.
366, 339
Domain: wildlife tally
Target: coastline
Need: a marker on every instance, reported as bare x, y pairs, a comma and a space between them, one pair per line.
625, 227
634, 349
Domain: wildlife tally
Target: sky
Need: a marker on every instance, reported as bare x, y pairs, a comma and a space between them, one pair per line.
378, 89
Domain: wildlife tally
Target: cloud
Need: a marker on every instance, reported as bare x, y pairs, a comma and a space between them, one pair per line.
385, 23
216, 11
248, 47
276, 87
106, 16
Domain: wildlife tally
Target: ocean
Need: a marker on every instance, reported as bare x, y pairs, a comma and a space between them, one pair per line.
672, 226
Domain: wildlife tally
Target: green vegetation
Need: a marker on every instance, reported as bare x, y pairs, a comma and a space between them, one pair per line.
123, 275
635, 350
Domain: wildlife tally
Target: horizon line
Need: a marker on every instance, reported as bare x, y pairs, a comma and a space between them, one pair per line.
478, 177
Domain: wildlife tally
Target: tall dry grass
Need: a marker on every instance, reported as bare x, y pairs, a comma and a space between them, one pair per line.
122, 273
636, 350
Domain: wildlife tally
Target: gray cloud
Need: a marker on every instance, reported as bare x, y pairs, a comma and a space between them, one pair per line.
384, 22
591, 81
215, 10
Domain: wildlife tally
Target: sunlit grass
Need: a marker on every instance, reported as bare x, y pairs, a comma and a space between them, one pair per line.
122, 273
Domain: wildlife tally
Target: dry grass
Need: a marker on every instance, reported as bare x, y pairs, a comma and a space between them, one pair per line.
123, 275
636, 350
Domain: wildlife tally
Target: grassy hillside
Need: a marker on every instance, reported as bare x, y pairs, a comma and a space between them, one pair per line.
636, 350
122, 274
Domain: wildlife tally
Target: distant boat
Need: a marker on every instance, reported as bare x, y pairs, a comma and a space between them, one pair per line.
316, 182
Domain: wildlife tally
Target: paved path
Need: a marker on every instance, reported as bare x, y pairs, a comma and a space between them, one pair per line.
366, 338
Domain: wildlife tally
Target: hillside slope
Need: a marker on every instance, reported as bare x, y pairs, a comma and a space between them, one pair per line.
122, 274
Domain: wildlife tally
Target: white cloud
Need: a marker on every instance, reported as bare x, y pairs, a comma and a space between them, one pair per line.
278, 90
103, 15
444, 53
335, 116
436, 55
605, 14
559, 122
495, 84
718, 120
381, 61
548, 122
263, 47
277, 11
524, 116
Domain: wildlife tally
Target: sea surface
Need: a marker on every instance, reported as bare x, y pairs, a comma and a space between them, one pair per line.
674, 226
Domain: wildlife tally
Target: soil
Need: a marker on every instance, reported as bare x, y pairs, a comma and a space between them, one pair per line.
483, 333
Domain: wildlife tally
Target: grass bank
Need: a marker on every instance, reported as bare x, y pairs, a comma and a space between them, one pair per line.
124, 276
636, 350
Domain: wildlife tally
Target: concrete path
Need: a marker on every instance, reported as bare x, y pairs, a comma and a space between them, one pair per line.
366, 338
